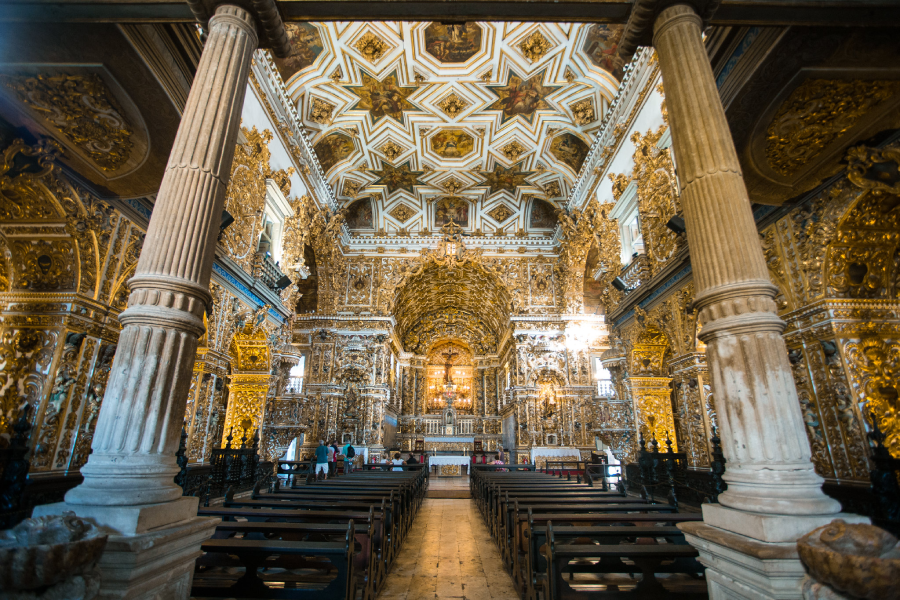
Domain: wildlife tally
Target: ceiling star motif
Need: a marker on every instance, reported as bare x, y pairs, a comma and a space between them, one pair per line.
398, 178
520, 97
448, 106
385, 98
503, 179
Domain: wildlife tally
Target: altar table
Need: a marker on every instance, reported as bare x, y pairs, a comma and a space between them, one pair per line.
449, 465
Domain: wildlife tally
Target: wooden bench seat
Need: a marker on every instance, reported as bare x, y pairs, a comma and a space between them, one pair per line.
214, 579
649, 559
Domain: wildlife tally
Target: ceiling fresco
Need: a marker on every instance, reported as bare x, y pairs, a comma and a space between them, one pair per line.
462, 121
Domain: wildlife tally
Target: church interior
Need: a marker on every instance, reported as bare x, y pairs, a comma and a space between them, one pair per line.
406, 299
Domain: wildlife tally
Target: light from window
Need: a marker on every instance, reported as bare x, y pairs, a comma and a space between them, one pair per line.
295, 377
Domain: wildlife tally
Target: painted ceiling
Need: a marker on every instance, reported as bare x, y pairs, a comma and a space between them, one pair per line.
486, 124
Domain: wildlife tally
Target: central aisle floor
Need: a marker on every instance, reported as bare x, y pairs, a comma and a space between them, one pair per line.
449, 553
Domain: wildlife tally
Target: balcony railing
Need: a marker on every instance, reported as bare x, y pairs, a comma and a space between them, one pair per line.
294, 386
265, 269
605, 389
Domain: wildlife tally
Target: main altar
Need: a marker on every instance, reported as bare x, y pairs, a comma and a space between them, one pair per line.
449, 422
449, 466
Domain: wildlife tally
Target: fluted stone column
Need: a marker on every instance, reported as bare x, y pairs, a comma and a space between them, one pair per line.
763, 435
774, 496
139, 425
129, 478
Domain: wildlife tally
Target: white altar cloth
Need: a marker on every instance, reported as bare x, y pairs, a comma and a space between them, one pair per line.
449, 460
463, 439
554, 453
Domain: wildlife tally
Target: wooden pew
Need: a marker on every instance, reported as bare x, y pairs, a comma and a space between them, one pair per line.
650, 559
365, 567
381, 548
253, 554
513, 529
531, 575
388, 508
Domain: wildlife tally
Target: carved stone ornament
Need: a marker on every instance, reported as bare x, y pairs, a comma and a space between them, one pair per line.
51, 552
862, 561
83, 109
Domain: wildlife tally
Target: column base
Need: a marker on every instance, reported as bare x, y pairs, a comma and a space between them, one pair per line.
740, 568
767, 527
151, 549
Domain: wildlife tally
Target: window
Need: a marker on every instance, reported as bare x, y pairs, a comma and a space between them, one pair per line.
605, 387
295, 377
626, 211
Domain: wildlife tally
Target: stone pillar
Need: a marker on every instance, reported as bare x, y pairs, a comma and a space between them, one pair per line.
128, 483
774, 496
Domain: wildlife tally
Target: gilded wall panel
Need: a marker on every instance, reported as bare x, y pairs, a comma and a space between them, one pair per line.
26, 356
812, 413
69, 426
92, 401
653, 408
874, 367
246, 403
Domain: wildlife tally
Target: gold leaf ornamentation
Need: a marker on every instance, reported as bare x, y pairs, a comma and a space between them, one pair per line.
83, 109
816, 114
583, 111
391, 150
371, 47
453, 105
402, 213
535, 46
513, 150
320, 112
501, 213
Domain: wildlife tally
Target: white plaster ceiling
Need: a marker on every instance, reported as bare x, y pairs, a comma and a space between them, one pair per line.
414, 152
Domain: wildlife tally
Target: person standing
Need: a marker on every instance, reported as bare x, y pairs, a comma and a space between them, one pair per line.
350, 454
321, 459
331, 458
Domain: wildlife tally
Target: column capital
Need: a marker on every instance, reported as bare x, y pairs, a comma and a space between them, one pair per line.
639, 28
269, 24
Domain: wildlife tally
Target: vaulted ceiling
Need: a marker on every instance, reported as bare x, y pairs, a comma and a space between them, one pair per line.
468, 121
466, 304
